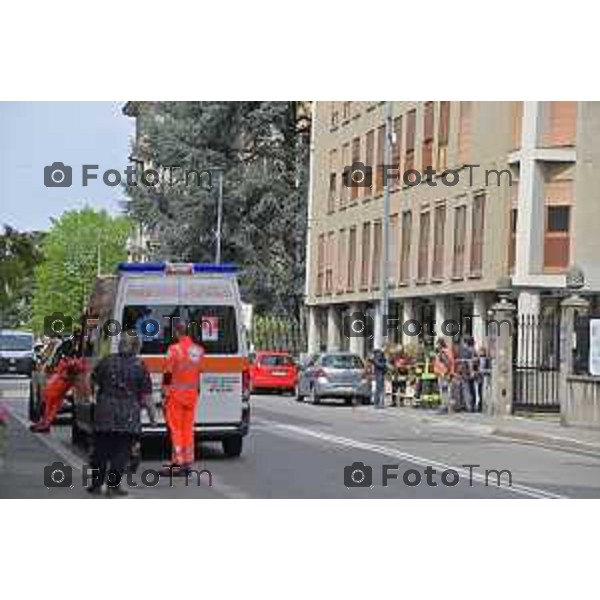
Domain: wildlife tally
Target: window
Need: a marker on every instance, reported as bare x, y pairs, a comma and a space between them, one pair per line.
477, 234
346, 110
320, 264
438, 242
512, 243
341, 268
369, 158
333, 170
365, 256
557, 238
443, 136
214, 326
405, 246
423, 262
558, 219
334, 115
376, 269
411, 122
427, 152
329, 262
380, 159
355, 158
345, 190
561, 121
393, 249
460, 225
351, 257
464, 133
396, 153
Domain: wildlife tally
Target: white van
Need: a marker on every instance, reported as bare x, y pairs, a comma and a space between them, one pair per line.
146, 299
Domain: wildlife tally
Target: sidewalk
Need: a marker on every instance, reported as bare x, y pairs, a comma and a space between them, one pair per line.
543, 430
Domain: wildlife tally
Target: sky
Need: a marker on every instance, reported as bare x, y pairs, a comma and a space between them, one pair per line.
36, 134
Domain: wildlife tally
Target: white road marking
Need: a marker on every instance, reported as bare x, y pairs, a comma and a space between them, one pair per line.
516, 488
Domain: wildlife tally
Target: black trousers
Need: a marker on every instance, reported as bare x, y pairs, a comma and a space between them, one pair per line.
110, 457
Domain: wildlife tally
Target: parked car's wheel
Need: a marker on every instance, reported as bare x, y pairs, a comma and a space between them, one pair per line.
314, 397
232, 446
349, 401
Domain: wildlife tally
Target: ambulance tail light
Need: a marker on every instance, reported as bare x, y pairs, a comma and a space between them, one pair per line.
246, 383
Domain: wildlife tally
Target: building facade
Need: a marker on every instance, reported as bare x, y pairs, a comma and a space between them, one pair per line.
507, 189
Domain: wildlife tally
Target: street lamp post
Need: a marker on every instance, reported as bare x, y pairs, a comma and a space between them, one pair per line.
382, 335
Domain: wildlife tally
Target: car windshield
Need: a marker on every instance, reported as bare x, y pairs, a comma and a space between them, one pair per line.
342, 361
16, 342
214, 327
276, 361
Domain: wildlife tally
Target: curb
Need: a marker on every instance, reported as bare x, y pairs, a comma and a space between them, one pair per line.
534, 438
549, 441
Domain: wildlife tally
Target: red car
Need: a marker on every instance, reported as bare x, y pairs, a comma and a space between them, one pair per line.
273, 371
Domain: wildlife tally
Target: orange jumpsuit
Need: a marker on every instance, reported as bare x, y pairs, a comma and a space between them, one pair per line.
58, 385
183, 364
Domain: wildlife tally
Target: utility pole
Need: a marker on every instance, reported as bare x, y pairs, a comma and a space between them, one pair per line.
219, 216
382, 335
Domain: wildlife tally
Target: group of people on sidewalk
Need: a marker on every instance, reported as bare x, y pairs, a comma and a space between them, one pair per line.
122, 388
454, 375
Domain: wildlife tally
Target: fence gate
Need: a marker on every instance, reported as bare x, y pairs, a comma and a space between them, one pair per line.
536, 362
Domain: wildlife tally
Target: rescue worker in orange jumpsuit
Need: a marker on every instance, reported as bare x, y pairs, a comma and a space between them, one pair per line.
181, 382
60, 382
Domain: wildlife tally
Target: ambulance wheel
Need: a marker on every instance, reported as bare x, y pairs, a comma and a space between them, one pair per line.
232, 446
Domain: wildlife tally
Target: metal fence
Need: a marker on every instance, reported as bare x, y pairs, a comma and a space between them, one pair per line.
282, 334
536, 363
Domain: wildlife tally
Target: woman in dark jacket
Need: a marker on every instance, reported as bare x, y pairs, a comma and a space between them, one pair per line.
123, 388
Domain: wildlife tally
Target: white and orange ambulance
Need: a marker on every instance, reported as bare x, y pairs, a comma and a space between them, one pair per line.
146, 299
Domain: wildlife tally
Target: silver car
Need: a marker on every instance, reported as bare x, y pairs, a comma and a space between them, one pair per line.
334, 375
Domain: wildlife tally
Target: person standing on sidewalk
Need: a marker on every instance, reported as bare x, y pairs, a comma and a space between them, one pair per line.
181, 383
466, 359
123, 388
379, 368
443, 367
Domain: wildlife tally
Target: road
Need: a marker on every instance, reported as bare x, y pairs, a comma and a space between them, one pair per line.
297, 450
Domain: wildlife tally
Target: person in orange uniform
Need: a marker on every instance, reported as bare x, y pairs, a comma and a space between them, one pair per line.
181, 382
58, 385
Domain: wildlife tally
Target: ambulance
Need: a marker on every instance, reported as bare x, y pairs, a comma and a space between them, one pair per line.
147, 300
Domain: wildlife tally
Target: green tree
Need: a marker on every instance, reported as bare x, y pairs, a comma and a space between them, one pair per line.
79, 245
263, 149
19, 253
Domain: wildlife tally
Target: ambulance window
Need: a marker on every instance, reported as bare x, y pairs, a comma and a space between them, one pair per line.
214, 327
152, 323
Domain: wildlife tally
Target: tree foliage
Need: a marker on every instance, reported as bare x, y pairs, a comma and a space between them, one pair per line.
79, 245
19, 253
263, 149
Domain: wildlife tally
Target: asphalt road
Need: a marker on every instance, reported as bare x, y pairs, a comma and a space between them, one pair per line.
298, 450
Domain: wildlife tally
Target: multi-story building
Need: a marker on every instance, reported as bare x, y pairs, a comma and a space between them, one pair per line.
527, 208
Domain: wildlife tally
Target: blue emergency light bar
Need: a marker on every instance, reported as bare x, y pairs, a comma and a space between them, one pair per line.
166, 267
